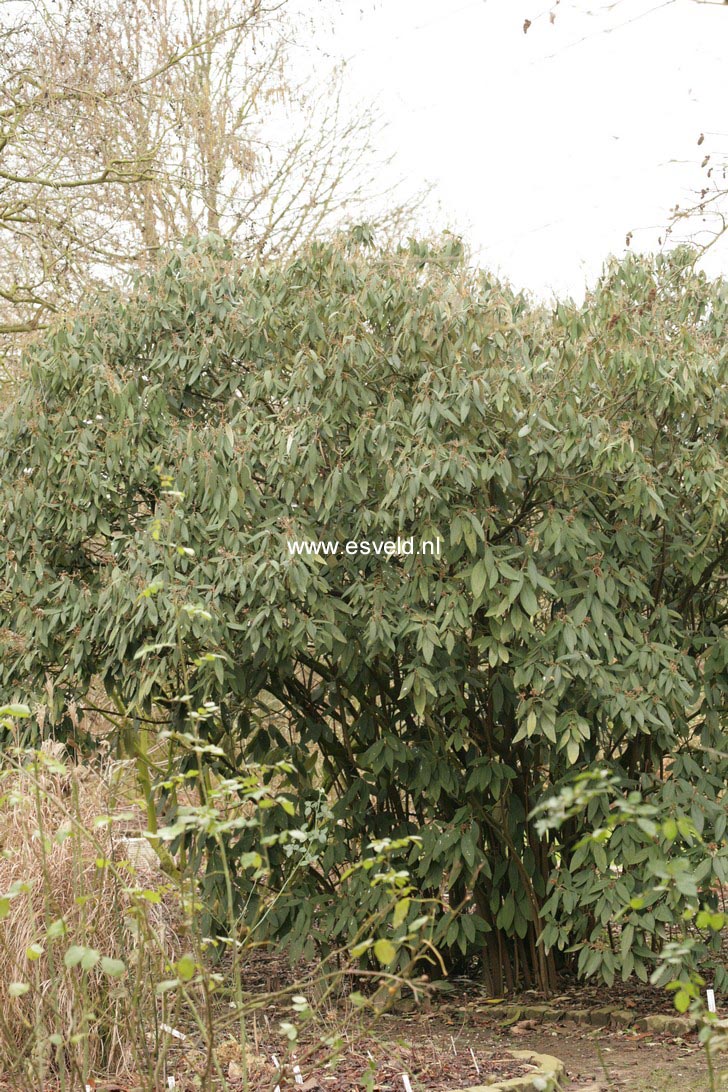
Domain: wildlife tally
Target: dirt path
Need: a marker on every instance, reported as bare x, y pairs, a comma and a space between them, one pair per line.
596, 1060
599, 1061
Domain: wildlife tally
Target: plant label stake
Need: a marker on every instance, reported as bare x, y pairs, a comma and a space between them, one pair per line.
710, 994
275, 1063
172, 1031
406, 1083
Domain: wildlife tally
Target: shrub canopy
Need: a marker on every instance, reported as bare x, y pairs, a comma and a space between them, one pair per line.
573, 465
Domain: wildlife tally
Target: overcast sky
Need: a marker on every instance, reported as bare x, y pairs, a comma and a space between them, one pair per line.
545, 148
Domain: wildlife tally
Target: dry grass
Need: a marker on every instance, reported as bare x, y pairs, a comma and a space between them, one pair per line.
68, 880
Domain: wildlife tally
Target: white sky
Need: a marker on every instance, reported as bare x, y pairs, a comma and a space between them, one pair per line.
545, 149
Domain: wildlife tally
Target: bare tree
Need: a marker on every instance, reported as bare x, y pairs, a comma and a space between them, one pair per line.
126, 125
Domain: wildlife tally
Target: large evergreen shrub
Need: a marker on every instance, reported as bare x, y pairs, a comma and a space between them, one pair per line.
573, 465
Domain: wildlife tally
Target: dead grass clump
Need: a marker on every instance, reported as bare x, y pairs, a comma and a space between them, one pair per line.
84, 932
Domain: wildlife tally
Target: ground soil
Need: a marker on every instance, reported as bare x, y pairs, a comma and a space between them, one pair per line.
381, 1066
435, 1046
458, 1037
440, 1052
596, 1060
606, 1062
